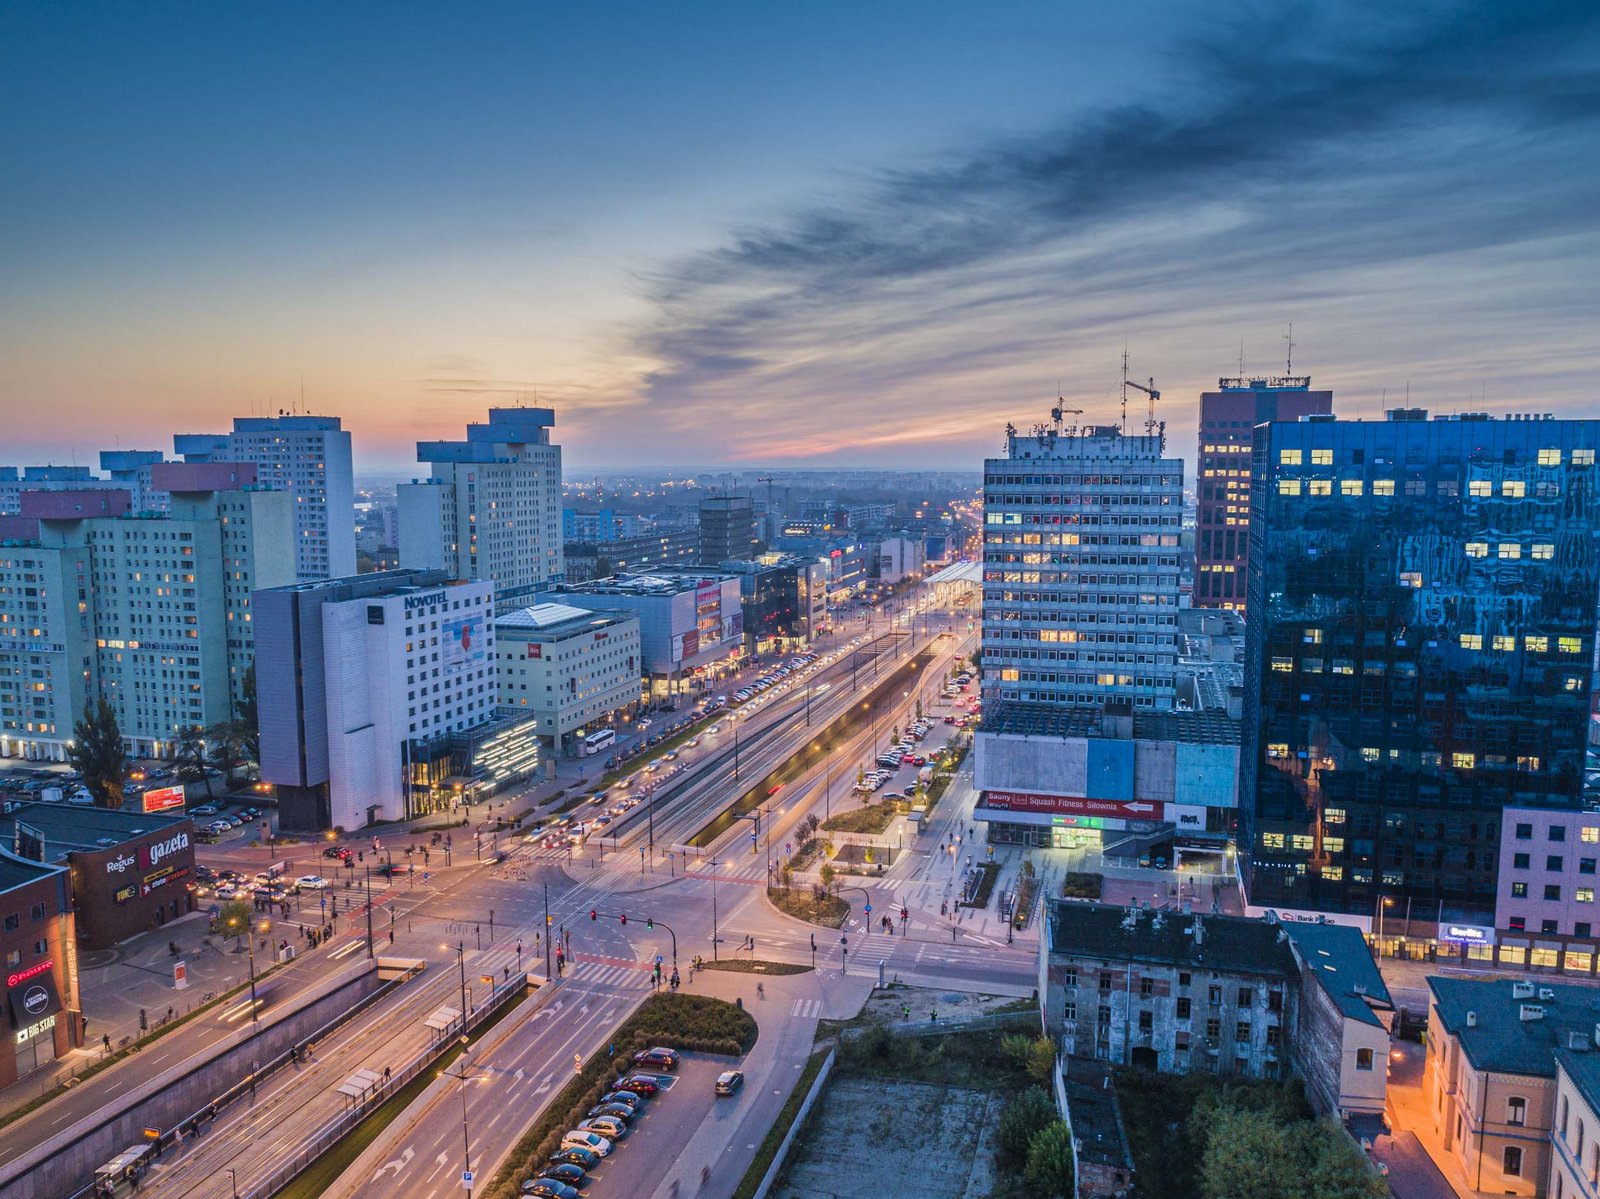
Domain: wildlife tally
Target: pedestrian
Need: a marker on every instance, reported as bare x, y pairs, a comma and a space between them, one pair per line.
391, 936
386, 1076
933, 1016
311, 1051
106, 1041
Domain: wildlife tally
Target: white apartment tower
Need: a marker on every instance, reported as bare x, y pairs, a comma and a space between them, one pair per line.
491, 506
310, 458
1080, 568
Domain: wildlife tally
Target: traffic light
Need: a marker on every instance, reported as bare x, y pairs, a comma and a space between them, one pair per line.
650, 922
593, 915
624, 918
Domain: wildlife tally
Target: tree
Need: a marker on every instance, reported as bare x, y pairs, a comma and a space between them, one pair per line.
1250, 1156
234, 919
1049, 1169
1024, 1116
95, 752
826, 874
190, 757
1036, 1055
248, 716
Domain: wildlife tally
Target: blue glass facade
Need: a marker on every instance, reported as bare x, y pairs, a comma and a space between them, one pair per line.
1419, 652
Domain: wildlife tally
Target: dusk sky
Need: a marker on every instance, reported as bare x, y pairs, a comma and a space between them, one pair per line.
814, 234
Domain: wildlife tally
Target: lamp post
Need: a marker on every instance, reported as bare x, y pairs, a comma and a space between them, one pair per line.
466, 1138
233, 1177
715, 866
250, 945
369, 913
461, 960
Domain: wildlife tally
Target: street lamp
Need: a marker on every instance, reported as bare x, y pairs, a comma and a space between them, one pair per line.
715, 866
233, 1177
466, 1138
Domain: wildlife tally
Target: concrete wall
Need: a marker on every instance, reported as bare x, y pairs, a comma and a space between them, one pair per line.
1051, 765
69, 1159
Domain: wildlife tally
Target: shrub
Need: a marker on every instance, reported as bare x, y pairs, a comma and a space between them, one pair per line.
1049, 1169
1024, 1116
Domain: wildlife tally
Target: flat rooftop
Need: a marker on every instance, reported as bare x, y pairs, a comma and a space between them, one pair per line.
79, 828
558, 619
1015, 719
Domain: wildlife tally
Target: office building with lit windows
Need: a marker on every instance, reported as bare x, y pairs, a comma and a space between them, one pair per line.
491, 506
1419, 654
1080, 568
1228, 417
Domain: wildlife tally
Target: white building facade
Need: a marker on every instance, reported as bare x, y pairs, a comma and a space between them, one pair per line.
574, 669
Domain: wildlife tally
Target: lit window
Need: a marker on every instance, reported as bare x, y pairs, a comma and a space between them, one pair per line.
1289, 457
1510, 551
1463, 761
1477, 549
1582, 457
1277, 749
1333, 816
1549, 457
1336, 874
1321, 457
1543, 550
1569, 645
1271, 840
1370, 753
1471, 640
1513, 489
1536, 644
1301, 841
1572, 683
1411, 578
1480, 487
1588, 833
1283, 665
1383, 487
1008, 675
1504, 642
1312, 636
1585, 895
1531, 762
1321, 487
1288, 486
1350, 487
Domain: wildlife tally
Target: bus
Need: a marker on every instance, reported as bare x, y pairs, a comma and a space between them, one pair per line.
595, 742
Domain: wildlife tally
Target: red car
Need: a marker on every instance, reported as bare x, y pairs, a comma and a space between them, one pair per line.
949, 719
640, 1084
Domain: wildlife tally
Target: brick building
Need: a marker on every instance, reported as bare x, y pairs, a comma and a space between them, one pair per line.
38, 944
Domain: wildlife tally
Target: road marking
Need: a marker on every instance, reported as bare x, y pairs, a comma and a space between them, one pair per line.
397, 1164
347, 950
807, 1009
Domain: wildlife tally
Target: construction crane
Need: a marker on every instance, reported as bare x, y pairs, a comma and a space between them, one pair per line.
1148, 389
1061, 410
772, 515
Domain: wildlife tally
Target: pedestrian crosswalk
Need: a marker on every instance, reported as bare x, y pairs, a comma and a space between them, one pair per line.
599, 976
807, 1009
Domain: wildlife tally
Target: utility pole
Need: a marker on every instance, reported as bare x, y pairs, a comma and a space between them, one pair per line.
369, 913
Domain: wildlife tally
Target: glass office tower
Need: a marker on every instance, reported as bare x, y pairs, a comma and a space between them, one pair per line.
1419, 652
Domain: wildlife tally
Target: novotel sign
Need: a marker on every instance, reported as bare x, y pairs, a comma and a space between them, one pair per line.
413, 602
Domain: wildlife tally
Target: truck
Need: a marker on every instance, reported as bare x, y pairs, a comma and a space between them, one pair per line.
52, 794
925, 777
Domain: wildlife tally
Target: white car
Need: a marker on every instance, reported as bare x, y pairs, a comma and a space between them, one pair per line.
581, 1139
311, 882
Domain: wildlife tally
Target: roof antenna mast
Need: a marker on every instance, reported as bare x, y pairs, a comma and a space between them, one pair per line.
1289, 357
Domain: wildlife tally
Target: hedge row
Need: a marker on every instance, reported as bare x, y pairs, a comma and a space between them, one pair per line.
695, 1023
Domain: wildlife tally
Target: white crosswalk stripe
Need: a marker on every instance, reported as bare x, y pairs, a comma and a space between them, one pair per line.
807, 1009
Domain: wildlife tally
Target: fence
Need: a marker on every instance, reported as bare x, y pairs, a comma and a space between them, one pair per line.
770, 1178
930, 1028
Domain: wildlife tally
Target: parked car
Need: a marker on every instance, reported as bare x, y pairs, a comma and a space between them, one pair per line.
729, 1081
658, 1058
627, 1098
640, 1084
206, 809
576, 1155
584, 1139
606, 1126
616, 1111
548, 1188
567, 1174
311, 882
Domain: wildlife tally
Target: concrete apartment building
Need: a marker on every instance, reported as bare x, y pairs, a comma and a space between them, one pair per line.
1228, 995
151, 610
1228, 417
378, 699
574, 670
490, 508
1080, 568
1491, 1081
133, 470
727, 528
310, 458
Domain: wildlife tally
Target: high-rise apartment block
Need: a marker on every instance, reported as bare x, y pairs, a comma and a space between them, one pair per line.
1080, 568
491, 506
727, 529
150, 610
133, 469
1419, 653
307, 456
1228, 417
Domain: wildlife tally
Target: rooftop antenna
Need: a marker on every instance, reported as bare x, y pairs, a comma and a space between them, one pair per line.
1061, 410
1289, 358
1124, 424
1241, 357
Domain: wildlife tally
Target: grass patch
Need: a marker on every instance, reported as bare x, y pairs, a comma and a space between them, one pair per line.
974, 1059
812, 905
980, 897
325, 1170
1023, 912
748, 966
873, 818
1082, 885
567, 805
768, 1149
693, 1022
809, 851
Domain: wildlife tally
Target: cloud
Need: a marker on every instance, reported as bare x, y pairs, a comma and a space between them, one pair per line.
1293, 164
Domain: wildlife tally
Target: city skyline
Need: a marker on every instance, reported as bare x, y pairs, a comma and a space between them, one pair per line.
819, 238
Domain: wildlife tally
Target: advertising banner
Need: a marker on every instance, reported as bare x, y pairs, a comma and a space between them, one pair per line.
164, 799
464, 643
1069, 805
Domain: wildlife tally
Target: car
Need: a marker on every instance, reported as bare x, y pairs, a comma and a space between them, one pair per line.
227, 891
233, 821
659, 1058
598, 797
691, 743
641, 1084
548, 1188
615, 1111
606, 1126
205, 809
576, 1155
311, 882
335, 851
584, 1139
949, 719
729, 1081
625, 1098
602, 820
567, 1174
219, 827
644, 723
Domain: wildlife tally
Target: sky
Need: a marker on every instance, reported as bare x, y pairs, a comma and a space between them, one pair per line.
802, 235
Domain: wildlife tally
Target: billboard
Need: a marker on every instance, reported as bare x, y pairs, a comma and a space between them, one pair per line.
464, 642
163, 799
1069, 805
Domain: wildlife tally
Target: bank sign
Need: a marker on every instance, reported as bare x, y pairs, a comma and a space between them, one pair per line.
151, 856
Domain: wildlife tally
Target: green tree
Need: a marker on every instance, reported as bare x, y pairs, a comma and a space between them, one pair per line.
1036, 1055
190, 757
248, 717
234, 920
1249, 1156
95, 752
1024, 1116
826, 874
1049, 1168
1336, 1167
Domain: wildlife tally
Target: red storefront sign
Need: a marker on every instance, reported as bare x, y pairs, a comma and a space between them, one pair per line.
1070, 805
